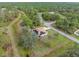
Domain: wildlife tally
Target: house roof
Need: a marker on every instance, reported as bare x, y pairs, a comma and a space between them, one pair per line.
41, 29
77, 32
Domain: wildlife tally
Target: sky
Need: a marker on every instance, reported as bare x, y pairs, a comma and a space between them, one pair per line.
39, 0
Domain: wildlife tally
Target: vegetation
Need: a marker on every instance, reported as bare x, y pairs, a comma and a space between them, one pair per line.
47, 17
32, 14
27, 21
5, 44
50, 17
27, 42
72, 53
70, 23
7, 15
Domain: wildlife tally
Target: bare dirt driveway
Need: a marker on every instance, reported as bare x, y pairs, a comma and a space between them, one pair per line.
11, 35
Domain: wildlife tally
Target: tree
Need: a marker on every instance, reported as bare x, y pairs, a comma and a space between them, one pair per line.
27, 21
51, 17
32, 14
46, 16
69, 24
28, 39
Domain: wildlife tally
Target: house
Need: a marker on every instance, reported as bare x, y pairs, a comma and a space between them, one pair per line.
41, 31
77, 32
3, 9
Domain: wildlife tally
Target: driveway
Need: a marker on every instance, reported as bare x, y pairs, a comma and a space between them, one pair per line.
48, 24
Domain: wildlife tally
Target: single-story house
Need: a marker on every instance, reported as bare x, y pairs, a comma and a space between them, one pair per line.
77, 32
41, 31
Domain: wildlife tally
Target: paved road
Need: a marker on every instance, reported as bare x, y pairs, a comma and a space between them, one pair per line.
66, 35
57, 30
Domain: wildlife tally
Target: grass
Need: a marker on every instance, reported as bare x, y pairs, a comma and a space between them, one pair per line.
61, 50
55, 42
4, 39
75, 36
22, 52
58, 39
57, 45
2, 24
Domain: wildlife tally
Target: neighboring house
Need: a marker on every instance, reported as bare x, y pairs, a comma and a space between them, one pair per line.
77, 32
41, 31
3, 9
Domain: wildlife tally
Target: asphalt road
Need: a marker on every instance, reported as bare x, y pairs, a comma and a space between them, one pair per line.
48, 24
